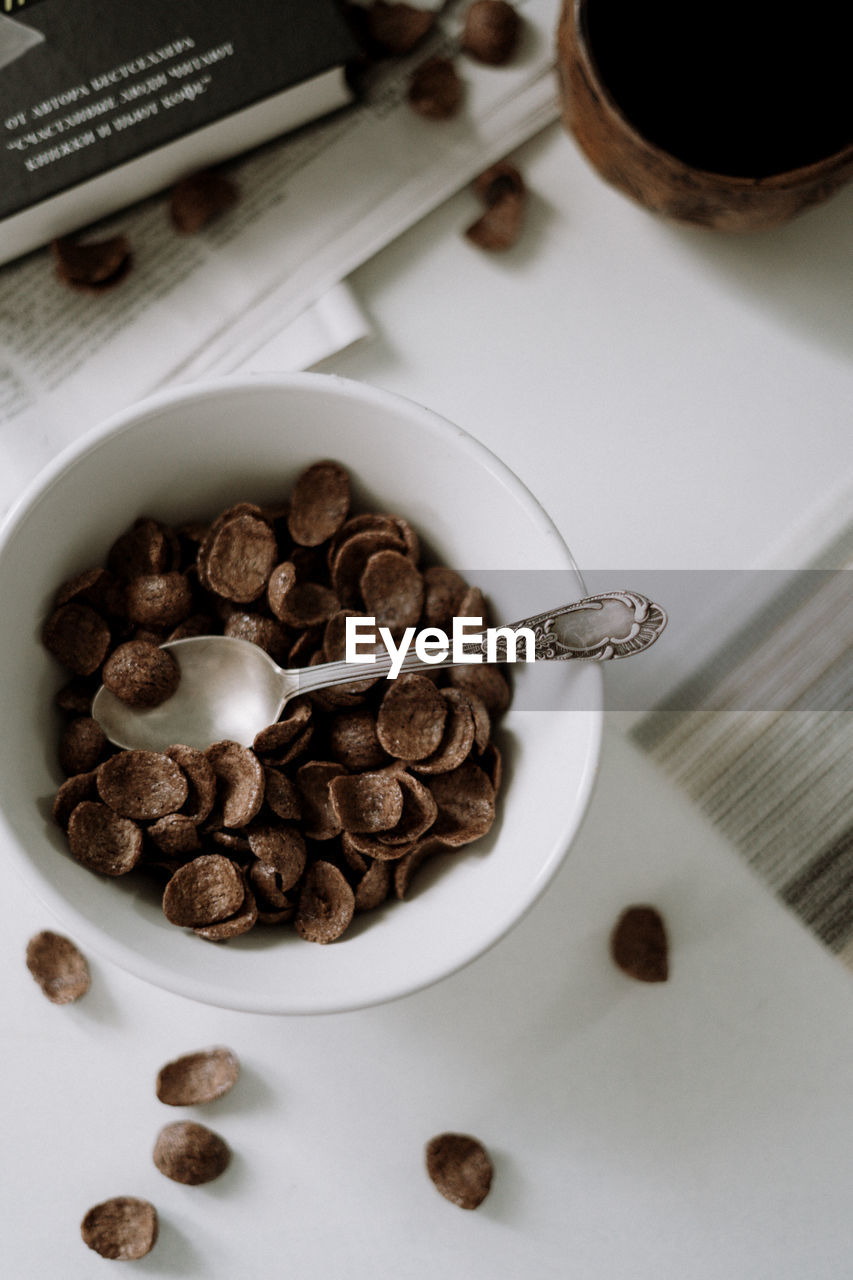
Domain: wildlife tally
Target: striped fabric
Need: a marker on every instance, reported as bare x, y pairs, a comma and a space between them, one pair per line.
777, 778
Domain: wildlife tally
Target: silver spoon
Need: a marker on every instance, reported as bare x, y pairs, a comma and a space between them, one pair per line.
231, 689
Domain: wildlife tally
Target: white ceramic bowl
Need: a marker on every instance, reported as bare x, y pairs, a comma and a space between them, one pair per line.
188, 454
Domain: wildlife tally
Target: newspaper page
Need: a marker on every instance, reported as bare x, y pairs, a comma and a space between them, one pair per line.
313, 207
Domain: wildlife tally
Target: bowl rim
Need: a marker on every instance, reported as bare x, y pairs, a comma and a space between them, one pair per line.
109, 947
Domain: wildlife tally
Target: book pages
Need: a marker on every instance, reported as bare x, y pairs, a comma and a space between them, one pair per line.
313, 207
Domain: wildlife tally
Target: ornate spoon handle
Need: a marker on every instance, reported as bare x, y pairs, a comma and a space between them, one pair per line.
613, 624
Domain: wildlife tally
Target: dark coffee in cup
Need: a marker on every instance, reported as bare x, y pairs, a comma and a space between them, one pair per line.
732, 114
740, 87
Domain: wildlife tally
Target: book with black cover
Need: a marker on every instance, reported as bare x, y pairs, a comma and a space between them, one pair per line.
103, 102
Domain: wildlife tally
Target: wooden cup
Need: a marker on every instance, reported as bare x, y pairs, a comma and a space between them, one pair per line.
661, 181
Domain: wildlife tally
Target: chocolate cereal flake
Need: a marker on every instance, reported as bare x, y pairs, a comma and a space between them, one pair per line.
418, 814
266, 633
458, 736
243, 919
393, 591
502, 190
373, 887
435, 90
460, 1168
93, 267
145, 785
410, 724
123, 1228
353, 740
141, 674
175, 835
491, 31
201, 781
77, 637
326, 904
281, 847
81, 746
395, 29
466, 804
320, 822
58, 967
352, 555
82, 786
240, 781
199, 199
407, 867
484, 681
240, 557
146, 547
319, 503
203, 892
281, 795
198, 1077
102, 841
190, 1153
366, 801
639, 946
158, 599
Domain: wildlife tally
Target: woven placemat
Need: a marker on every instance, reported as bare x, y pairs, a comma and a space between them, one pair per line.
777, 778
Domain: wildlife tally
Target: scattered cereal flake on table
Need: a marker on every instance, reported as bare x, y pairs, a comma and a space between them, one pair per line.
190, 1153
58, 967
460, 1168
123, 1228
198, 1077
491, 31
639, 946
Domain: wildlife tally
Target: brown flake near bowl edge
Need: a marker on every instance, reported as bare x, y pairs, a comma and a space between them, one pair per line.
234, 926
146, 547
82, 786
326, 904
281, 847
203, 892
239, 557
466, 804
81, 746
102, 840
77, 637
58, 967
373, 887
319, 503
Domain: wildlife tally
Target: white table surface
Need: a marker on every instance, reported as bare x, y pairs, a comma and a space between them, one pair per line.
676, 400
